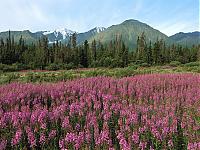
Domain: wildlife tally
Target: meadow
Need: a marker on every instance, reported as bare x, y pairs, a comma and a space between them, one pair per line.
155, 111
125, 108
40, 76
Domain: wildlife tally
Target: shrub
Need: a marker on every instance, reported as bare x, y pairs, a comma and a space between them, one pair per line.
93, 64
145, 65
20, 66
138, 62
192, 64
175, 63
69, 66
52, 67
133, 66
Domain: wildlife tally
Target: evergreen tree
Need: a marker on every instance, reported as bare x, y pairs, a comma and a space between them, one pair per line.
94, 50
141, 45
124, 55
149, 59
84, 60
198, 53
156, 52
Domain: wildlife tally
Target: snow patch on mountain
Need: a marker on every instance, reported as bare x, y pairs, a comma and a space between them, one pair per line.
99, 29
64, 32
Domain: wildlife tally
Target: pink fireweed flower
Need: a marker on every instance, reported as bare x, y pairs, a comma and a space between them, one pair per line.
142, 145
193, 146
43, 126
78, 127
170, 143
62, 144
3, 144
52, 134
17, 137
31, 137
103, 137
65, 122
135, 137
70, 137
142, 129
42, 138
122, 141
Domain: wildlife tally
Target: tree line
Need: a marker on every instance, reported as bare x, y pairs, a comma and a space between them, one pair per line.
95, 54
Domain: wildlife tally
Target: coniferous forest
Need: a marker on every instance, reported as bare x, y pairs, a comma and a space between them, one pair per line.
42, 55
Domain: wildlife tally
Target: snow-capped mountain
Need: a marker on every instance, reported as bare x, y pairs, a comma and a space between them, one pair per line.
64, 32
61, 35
81, 37
58, 34
99, 29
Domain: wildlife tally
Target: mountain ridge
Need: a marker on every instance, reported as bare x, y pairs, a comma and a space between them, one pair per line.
129, 30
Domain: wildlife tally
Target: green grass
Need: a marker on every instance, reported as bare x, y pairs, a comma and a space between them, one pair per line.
62, 75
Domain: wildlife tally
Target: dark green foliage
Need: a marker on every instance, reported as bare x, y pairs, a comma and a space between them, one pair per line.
175, 63
192, 64
17, 55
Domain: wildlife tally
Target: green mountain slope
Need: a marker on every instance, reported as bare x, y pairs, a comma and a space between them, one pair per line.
81, 37
26, 35
130, 30
186, 39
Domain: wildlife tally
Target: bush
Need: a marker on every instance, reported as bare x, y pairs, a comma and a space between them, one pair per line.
145, 65
175, 63
69, 66
52, 67
192, 64
2, 66
139, 62
20, 66
133, 66
9, 68
93, 64
107, 62
13, 67
116, 63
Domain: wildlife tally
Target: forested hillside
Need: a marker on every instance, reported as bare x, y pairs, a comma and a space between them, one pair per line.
115, 53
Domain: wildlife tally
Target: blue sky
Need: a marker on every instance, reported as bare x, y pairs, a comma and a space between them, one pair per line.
168, 16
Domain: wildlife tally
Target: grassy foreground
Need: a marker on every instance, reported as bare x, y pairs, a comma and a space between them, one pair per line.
63, 75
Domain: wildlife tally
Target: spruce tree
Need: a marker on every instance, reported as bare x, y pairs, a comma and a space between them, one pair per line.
86, 48
94, 50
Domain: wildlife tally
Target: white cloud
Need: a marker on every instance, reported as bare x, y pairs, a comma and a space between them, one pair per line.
21, 14
177, 25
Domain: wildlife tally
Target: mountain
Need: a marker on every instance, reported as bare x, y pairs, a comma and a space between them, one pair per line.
26, 34
58, 35
130, 30
62, 35
188, 39
81, 37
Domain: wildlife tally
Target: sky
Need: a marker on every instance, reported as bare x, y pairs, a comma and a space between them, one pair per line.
168, 16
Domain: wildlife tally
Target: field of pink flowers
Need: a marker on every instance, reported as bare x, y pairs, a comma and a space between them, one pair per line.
157, 111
